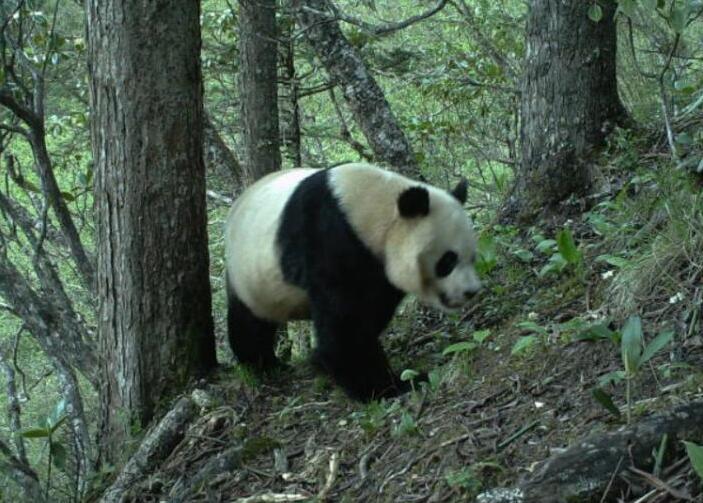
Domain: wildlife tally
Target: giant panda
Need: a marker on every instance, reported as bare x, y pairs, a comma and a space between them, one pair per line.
342, 246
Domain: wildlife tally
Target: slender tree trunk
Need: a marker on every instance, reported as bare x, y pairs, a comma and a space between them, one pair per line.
258, 87
363, 95
289, 106
569, 100
155, 325
220, 162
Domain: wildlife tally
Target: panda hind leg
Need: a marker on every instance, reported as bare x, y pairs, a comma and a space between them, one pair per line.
252, 339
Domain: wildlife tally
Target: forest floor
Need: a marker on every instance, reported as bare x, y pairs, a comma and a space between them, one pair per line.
491, 413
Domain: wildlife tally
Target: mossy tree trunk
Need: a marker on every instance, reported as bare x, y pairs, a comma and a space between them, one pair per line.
569, 101
155, 323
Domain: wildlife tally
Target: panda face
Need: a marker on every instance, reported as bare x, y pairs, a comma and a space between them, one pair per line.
431, 248
446, 263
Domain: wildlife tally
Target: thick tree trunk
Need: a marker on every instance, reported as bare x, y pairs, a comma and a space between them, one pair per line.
258, 87
155, 324
363, 95
569, 100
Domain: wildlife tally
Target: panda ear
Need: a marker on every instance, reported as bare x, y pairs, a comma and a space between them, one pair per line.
459, 191
414, 202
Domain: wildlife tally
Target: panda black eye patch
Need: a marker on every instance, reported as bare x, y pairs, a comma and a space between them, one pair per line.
445, 265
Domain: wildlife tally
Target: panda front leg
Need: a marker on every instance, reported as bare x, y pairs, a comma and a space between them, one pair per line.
349, 350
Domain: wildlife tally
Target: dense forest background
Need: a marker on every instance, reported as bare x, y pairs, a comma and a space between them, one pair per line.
579, 126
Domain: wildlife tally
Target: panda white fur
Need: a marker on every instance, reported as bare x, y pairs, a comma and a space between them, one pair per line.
343, 246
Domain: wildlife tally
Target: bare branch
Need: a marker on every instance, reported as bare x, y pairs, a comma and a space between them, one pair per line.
362, 93
484, 42
344, 130
22, 474
13, 407
25, 113
388, 28
157, 444
82, 445
50, 188
59, 332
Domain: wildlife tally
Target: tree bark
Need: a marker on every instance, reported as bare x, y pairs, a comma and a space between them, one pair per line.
289, 106
154, 320
569, 101
363, 95
258, 87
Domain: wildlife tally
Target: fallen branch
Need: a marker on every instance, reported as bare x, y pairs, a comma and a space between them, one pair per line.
157, 445
583, 471
274, 498
331, 476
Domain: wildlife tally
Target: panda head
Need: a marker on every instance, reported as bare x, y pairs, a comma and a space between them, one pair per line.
431, 247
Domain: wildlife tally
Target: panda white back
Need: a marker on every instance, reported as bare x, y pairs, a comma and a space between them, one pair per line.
251, 257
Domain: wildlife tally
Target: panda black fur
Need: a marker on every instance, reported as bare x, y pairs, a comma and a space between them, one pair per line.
342, 246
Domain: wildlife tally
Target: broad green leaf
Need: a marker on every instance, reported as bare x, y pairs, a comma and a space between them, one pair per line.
684, 139
36, 433
434, 378
595, 13
532, 327
599, 223
595, 332
606, 401
631, 344
613, 260
58, 424
459, 347
649, 5
487, 258
524, 255
408, 375
58, 455
556, 263
546, 246
523, 344
567, 247
481, 335
657, 343
68, 196
27, 185
611, 378
695, 455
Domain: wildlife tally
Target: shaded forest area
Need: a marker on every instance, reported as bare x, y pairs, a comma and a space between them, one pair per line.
127, 129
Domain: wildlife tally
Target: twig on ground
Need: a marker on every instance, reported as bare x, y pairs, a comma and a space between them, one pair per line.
331, 476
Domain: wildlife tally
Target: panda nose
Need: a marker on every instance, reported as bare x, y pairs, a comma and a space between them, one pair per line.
469, 294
